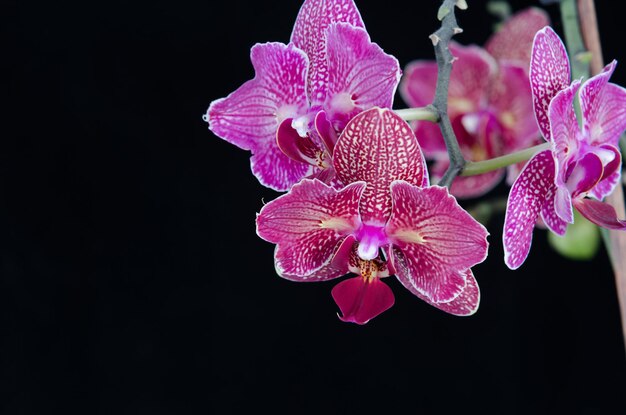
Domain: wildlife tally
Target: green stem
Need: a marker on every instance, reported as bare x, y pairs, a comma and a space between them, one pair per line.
579, 56
473, 168
427, 113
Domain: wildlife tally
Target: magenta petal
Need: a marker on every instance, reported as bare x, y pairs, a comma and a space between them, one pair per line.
511, 98
603, 108
418, 83
249, 117
586, 173
297, 148
378, 147
437, 237
465, 304
361, 75
361, 299
472, 76
526, 199
611, 176
309, 34
549, 215
308, 224
474, 186
549, 73
600, 213
515, 38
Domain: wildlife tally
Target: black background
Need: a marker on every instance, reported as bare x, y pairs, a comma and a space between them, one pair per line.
131, 277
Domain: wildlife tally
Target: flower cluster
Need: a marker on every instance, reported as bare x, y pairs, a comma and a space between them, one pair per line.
304, 93
582, 162
317, 118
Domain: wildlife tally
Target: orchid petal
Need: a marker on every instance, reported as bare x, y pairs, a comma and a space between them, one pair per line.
586, 173
308, 224
565, 130
603, 106
361, 75
526, 199
378, 147
465, 304
511, 98
361, 299
611, 176
563, 204
418, 83
515, 38
549, 216
549, 73
472, 75
438, 239
465, 187
600, 213
309, 34
249, 117
297, 148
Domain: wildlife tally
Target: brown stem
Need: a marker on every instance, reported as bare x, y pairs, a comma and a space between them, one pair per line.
589, 28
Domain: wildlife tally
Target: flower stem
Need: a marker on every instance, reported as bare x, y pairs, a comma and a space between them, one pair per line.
473, 168
441, 39
428, 113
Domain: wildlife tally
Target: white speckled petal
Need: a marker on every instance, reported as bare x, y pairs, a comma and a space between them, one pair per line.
526, 199
465, 304
308, 224
249, 117
549, 73
309, 34
378, 147
549, 216
439, 240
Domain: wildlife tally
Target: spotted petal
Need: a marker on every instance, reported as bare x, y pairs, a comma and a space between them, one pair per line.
438, 239
378, 147
526, 199
308, 224
515, 38
309, 34
361, 75
549, 73
465, 304
603, 108
249, 117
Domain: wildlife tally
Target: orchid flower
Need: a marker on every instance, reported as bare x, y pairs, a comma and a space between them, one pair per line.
387, 220
303, 94
489, 101
583, 161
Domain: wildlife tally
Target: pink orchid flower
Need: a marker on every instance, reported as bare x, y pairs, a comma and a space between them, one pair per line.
386, 221
489, 103
304, 93
583, 160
